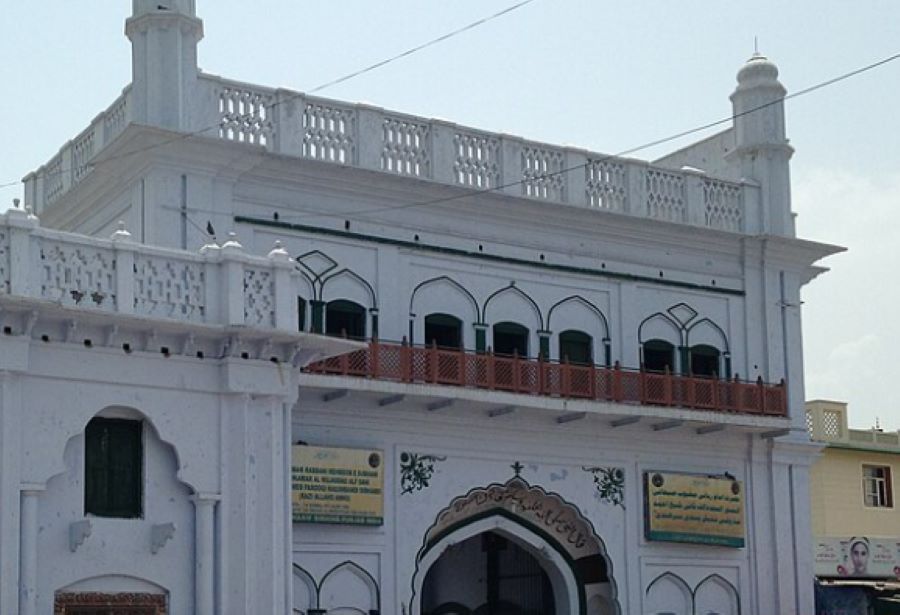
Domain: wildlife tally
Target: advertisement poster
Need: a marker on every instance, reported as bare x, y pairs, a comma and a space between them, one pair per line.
858, 557
337, 485
693, 508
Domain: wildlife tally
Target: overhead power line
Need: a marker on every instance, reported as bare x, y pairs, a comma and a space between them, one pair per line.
348, 77
602, 158
632, 150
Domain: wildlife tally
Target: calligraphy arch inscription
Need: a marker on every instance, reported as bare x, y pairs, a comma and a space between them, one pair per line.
541, 521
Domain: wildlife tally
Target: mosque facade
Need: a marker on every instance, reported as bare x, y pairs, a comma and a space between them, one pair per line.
265, 352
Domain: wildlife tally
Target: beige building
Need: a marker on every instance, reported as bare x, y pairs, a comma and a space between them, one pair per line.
855, 518
852, 484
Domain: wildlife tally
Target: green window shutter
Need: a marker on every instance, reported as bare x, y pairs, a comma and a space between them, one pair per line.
114, 468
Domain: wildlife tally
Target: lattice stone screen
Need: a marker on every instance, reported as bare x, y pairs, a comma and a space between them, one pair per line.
665, 195
167, 288
78, 275
543, 175
831, 425
606, 184
329, 133
405, 148
259, 298
53, 180
82, 151
245, 116
477, 162
114, 122
722, 205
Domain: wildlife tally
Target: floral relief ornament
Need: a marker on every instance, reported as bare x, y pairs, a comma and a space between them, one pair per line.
609, 483
416, 471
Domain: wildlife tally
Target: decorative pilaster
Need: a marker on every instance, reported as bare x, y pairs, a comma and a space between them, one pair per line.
204, 553
28, 553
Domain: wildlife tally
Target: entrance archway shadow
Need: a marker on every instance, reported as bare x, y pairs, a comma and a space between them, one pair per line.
543, 524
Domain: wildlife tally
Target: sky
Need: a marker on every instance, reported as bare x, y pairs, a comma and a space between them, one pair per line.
603, 75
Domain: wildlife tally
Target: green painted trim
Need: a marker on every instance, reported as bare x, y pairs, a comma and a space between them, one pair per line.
700, 539
480, 339
859, 447
489, 257
545, 347
318, 316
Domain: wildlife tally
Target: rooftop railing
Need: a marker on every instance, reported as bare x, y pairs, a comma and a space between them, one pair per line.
401, 362
221, 285
357, 135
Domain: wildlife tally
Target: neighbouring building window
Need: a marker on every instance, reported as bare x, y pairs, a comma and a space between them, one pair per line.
345, 318
877, 490
114, 468
443, 330
576, 347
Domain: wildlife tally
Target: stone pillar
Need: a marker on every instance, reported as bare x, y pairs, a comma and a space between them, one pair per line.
204, 553
28, 553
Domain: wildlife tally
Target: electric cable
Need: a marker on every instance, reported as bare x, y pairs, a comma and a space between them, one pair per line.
297, 95
605, 157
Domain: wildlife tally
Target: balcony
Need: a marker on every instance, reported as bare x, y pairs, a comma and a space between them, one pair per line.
487, 371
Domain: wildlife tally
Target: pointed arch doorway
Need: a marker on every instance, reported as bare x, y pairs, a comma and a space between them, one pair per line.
512, 549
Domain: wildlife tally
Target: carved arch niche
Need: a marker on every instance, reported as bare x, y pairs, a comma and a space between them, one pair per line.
572, 555
442, 295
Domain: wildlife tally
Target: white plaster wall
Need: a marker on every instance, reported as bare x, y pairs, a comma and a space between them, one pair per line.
202, 436
479, 451
118, 546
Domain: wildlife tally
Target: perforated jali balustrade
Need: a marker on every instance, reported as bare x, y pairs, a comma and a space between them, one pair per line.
432, 365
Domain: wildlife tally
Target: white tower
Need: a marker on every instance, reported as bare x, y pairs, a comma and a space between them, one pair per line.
762, 147
164, 36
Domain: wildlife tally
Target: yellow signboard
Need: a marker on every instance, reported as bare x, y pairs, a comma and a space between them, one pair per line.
693, 508
337, 485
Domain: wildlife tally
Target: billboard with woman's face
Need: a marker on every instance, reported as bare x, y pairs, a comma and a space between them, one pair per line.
858, 557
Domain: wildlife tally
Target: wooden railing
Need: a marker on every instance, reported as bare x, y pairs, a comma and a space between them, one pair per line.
486, 370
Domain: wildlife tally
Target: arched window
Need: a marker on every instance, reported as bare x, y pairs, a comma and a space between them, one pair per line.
576, 347
113, 468
444, 331
658, 356
345, 318
510, 338
704, 360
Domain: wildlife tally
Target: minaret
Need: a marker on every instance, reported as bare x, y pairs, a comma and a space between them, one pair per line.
164, 36
761, 145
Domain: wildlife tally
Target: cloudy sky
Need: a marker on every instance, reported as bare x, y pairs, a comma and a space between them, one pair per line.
603, 75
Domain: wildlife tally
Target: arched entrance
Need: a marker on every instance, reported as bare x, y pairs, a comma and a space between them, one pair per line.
512, 549
488, 574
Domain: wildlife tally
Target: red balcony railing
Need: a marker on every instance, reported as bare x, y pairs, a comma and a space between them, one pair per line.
431, 365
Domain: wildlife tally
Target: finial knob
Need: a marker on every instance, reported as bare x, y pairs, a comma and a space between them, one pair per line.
232, 244
278, 253
121, 234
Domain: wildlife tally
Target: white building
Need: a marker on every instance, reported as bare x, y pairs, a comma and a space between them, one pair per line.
151, 388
